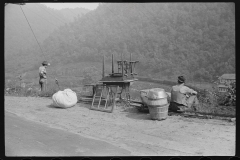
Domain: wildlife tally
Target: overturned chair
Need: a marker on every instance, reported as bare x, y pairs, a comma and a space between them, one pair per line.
104, 98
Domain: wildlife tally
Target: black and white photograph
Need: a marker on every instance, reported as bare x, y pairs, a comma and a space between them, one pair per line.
119, 79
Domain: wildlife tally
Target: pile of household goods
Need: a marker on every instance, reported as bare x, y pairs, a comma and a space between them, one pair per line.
64, 99
157, 101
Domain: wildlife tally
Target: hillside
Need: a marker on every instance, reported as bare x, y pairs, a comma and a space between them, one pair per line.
70, 14
43, 21
192, 39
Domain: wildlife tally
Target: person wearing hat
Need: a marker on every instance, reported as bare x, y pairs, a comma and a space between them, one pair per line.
183, 98
43, 75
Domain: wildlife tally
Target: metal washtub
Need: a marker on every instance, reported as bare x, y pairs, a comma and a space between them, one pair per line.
156, 100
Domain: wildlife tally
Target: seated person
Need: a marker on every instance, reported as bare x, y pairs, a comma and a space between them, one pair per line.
182, 97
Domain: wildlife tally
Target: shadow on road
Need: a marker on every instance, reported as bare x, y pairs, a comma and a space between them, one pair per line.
138, 116
133, 113
52, 106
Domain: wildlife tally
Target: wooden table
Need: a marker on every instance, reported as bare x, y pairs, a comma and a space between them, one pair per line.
115, 88
123, 86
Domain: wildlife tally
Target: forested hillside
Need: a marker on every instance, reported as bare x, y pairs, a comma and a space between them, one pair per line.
43, 20
169, 39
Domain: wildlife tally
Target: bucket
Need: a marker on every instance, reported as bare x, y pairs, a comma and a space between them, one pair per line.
158, 104
158, 113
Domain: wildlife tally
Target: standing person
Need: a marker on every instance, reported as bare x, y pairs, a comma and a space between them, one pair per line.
182, 97
43, 75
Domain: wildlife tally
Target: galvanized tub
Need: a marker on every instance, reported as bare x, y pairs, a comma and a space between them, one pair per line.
157, 103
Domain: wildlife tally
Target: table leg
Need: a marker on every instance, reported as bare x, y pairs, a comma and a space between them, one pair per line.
113, 96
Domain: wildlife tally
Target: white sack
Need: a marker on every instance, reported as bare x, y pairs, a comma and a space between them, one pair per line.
64, 99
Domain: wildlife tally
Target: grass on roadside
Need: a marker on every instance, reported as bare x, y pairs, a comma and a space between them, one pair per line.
210, 106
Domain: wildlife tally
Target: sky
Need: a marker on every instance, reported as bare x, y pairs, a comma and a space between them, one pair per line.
58, 6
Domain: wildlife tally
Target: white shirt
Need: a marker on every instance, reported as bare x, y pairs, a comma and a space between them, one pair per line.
42, 72
185, 90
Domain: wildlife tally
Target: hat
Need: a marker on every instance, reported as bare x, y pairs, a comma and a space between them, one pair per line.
181, 79
45, 63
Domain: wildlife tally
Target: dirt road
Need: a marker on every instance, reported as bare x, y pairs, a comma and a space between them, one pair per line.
29, 138
131, 130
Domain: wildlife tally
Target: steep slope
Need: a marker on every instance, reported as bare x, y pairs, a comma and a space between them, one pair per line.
70, 14
43, 21
192, 39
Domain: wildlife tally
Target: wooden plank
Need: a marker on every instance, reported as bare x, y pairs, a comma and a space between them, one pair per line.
134, 101
135, 104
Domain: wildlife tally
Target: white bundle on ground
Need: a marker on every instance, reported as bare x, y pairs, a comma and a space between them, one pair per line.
64, 99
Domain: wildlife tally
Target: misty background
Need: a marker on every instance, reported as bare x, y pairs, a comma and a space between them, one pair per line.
196, 40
